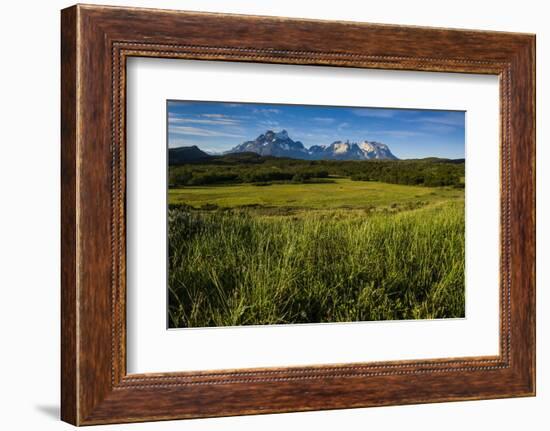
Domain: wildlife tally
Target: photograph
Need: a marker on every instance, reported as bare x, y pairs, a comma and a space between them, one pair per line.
288, 214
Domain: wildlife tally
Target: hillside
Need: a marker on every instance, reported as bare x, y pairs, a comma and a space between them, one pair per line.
181, 155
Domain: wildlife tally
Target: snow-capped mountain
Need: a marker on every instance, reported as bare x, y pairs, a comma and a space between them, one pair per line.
273, 144
376, 150
280, 145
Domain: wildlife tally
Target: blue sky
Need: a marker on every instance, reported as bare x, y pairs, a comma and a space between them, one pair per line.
410, 133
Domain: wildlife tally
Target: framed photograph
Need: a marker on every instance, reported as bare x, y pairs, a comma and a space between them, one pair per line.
264, 214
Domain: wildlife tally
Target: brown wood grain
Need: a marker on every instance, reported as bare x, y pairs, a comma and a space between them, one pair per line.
96, 41
69, 367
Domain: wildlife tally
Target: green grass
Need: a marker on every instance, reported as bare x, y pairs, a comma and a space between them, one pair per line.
307, 253
340, 193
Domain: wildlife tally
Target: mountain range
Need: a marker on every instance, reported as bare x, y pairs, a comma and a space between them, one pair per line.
279, 144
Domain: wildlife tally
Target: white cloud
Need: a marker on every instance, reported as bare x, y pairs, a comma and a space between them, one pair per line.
212, 119
269, 124
197, 131
343, 125
220, 122
179, 142
216, 116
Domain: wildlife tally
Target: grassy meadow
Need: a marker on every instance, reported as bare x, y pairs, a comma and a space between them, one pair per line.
335, 248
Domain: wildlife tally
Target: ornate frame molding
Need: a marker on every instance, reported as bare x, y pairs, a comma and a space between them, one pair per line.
96, 41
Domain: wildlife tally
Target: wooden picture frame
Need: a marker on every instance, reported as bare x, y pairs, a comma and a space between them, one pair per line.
95, 43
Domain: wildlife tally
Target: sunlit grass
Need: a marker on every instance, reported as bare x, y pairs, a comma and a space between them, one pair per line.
386, 258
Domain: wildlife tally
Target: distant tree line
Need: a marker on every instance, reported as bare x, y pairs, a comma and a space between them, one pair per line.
246, 168
415, 173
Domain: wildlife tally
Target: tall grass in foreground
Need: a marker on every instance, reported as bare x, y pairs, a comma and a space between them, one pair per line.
234, 268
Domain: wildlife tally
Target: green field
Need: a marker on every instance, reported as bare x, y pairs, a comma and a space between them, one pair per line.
334, 251
339, 193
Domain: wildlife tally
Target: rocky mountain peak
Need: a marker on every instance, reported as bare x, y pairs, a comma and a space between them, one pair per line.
279, 144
